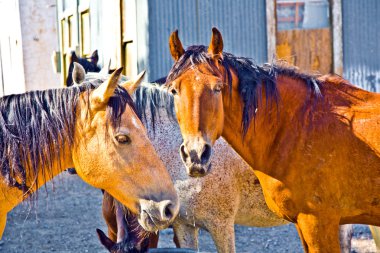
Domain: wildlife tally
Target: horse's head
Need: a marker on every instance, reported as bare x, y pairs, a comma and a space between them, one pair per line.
131, 237
89, 65
122, 247
196, 80
112, 151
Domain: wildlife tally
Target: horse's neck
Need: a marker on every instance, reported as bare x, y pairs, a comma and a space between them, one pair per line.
12, 196
269, 128
46, 174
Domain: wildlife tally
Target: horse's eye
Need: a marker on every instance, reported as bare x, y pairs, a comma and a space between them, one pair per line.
123, 139
173, 91
218, 88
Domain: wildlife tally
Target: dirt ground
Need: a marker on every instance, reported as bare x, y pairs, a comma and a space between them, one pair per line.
65, 219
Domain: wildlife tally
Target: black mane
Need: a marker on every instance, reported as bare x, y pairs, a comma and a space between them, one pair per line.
35, 126
251, 77
150, 98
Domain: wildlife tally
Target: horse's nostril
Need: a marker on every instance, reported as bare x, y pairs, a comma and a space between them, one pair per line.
184, 155
168, 211
206, 154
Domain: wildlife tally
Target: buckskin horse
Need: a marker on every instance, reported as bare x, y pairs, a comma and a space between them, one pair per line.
125, 234
312, 141
93, 128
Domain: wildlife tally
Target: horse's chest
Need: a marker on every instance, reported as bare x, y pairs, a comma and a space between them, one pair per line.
278, 197
9, 198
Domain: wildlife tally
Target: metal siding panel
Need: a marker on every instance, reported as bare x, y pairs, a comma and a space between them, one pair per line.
361, 47
164, 17
242, 23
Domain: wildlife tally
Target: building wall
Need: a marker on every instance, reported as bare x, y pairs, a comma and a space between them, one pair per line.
110, 37
97, 26
142, 36
11, 58
242, 23
106, 30
361, 43
39, 39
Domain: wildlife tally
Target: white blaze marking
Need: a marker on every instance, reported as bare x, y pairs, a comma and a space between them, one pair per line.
134, 122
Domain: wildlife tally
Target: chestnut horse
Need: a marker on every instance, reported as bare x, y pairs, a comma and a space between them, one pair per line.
312, 141
44, 132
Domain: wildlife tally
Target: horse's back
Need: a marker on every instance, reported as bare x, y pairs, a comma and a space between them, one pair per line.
343, 148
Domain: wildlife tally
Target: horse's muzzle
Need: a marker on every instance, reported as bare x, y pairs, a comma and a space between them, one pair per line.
155, 216
196, 155
198, 170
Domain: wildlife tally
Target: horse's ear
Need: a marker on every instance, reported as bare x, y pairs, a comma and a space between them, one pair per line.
78, 74
133, 84
107, 242
73, 57
95, 57
175, 45
215, 48
100, 96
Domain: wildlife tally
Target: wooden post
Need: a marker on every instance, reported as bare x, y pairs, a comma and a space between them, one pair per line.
337, 37
271, 29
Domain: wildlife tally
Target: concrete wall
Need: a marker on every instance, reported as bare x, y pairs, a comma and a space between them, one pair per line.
39, 39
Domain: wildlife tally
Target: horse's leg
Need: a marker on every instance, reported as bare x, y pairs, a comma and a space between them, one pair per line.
187, 236
304, 244
320, 234
345, 236
224, 237
175, 240
3, 222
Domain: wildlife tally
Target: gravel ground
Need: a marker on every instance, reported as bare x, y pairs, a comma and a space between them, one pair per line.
65, 219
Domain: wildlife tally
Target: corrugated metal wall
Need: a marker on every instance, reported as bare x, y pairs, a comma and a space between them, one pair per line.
242, 23
361, 43
164, 17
